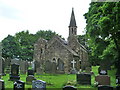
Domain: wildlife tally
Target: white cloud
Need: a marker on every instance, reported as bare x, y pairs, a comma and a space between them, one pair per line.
34, 15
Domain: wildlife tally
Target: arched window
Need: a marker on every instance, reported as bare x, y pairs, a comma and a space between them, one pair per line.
41, 50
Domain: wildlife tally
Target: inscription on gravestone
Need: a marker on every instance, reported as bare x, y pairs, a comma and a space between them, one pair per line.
84, 78
38, 84
14, 75
103, 79
19, 85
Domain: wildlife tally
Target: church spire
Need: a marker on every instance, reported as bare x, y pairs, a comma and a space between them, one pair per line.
72, 25
72, 20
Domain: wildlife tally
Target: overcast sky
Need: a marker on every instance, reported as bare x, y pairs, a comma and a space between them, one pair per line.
34, 15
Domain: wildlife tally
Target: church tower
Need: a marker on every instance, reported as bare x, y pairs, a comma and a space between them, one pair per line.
72, 39
72, 25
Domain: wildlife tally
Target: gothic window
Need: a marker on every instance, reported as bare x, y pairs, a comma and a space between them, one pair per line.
41, 50
72, 31
54, 60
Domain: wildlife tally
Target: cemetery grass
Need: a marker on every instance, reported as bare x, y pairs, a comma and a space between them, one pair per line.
60, 80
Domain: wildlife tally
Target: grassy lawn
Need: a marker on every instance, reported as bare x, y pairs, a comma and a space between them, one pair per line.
60, 80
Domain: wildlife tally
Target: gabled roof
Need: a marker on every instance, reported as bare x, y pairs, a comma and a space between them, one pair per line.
63, 43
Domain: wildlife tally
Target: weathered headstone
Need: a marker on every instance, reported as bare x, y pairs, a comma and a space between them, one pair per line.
19, 85
7, 71
14, 72
23, 67
29, 79
48, 66
15, 61
117, 79
101, 87
2, 87
84, 78
103, 79
0, 66
38, 84
30, 72
102, 71
54, 67
69, 88
39, 70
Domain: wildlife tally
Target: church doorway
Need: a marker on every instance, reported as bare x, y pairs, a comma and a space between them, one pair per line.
60, 65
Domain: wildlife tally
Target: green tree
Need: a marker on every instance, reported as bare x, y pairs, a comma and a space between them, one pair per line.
10, 47
25, 40
103, 30
21, 45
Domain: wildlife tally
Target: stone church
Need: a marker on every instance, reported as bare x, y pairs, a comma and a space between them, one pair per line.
60, 56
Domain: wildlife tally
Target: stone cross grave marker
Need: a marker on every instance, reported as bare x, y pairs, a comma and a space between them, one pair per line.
103, 79
101, 87
2, 87
38, 84
19, 85
84, 78
73, 63
14, 72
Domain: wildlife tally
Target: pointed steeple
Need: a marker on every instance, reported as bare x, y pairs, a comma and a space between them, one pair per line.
72, 20
72, 26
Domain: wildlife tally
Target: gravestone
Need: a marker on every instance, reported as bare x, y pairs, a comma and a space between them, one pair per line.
0, 66
15, 61
3, 66
7, 71
30, 72
48, 66
54, 67
19, 85
69, 88
39, 70
101, 87
14, 75
117, 79
29, 79
2, 87
84, 78
103, 79
23, 67
38, 84
102, 71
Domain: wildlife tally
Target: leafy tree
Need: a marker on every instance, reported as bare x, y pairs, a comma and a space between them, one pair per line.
45, 34
103, 30
25, 40
10, 47
21, 45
